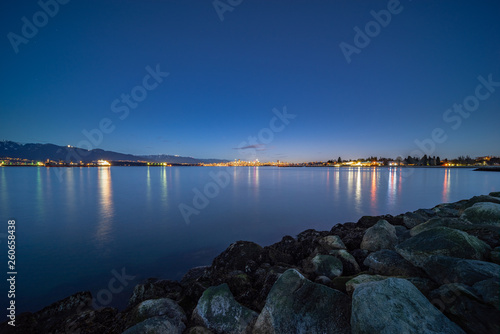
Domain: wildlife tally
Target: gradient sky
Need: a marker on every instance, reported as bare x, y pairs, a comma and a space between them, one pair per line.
227, 76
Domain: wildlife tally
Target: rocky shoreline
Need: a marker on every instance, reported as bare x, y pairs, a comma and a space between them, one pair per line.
428, 271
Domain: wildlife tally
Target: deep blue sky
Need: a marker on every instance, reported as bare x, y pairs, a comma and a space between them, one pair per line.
227, 76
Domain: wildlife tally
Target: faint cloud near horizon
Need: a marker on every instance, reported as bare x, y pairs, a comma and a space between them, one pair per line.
258, 147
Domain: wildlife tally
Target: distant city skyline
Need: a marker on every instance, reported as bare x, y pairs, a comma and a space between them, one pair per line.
291, 81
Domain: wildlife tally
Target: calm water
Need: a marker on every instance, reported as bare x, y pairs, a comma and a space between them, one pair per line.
76, 226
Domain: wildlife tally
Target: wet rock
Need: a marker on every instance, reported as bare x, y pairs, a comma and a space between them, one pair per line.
483, 213
382, 235
327, 265
218, 310
349, 264
395, 305
153, 289
445, 269
442, 241
389, 263
460, 304
297, 305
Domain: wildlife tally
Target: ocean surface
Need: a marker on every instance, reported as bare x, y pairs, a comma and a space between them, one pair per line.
106, 229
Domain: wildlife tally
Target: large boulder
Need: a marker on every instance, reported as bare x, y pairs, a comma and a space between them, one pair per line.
412, 219
382, 235
395, 305
165, 309
483, 213
218, 310
462, 305
442, 241
241, 255
349, 264
297, 305
389, 263
445, 269
327, 265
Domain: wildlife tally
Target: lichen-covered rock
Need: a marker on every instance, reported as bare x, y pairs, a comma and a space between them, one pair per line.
382, 235
349, 264
389, 263
330, 242
155, 325
442, 241
219, 311
327, 265
395, 305
460, 303
297, 305
354, 282
445, 269
483, 213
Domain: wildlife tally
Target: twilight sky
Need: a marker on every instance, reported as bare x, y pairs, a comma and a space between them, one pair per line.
104, 63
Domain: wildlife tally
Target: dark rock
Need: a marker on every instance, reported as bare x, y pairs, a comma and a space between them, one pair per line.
442, 241
495, 194
369, 221
495, 255
327, 265
241, 255
218, 310
459, 303
164, 309
389, 263
483, 213
155, 325
199, 330
478, 199
489, 291
297, 305
444, 270
356, 281
412, 219
193, 274
350, 233
331, 242
382, 235
360, 256
349, 264
153, 289
402, 233
451, 222
450, 210
395, 305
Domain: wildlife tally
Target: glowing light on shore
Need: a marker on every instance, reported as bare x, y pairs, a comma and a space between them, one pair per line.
103, 163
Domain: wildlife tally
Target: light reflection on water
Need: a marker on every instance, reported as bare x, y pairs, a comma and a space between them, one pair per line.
99, 219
